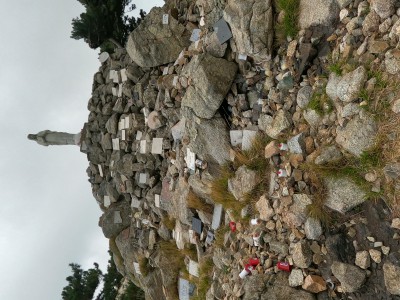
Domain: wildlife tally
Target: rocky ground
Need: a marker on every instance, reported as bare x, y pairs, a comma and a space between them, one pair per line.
324, 105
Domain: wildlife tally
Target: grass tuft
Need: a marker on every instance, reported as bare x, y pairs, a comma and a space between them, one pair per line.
289, 26
169, 222
205, 277
194, 202
321, 103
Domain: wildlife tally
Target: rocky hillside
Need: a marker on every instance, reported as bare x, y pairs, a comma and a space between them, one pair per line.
235, 157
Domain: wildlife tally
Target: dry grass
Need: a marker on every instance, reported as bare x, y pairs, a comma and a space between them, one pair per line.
194, 201
219, 236
205, 275
169, 222
144, 266
317, 209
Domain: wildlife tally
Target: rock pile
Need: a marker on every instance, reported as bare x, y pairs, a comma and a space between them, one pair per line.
200, 78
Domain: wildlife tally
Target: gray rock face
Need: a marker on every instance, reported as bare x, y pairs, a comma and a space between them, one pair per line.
328, 154
243, 182
110, 222
296, 144
357, 135
343, 194
351, 277
211, 80
153, 44
302, 254
304, 96
274, 127
392, 61
251, 24
312, 117
312, 228
331, 86
318, 12
391, 273
384, 8
209, 139
350, 84
264, 208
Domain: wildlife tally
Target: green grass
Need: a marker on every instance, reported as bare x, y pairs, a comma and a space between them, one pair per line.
205, 278
289, 26
321, 103
336, 68
194, 201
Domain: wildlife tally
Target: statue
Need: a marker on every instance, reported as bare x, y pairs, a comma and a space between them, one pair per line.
47, 137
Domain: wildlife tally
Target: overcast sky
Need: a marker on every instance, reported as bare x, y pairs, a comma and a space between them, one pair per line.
48, 216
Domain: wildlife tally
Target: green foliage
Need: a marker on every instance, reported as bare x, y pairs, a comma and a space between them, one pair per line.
205, 276
132, 292
336, 68
81, 284
289, 26
104, 21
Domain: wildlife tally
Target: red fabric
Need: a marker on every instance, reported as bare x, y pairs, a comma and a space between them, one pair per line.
232, 225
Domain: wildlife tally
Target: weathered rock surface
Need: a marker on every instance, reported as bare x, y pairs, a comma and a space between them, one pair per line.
351, 277
319, 12
350, 84
251, 24
153, 44
207, 71
343, 194
115, 219
357, 135
243, 182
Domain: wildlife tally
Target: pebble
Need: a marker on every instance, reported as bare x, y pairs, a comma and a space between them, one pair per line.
376, 255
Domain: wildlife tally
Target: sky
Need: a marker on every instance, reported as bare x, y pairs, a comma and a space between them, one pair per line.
48, 216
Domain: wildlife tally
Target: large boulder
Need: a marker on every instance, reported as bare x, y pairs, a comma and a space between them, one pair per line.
243, 182
209, 138
153, 43
351, 277
211, 80
115, 219
343, 194
384, 8
251, 23
391, 273
357, 135
318, 12
350, 84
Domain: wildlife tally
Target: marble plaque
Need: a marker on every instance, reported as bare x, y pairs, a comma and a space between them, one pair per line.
248, 137
165, 19
157, 146
216, 220
107, 201
223, 31
193, 268
123, 75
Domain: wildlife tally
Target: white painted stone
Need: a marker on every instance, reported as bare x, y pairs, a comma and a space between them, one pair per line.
120, 90
111, 74
248, 137
242, 56
193, 268
216, 220
107, 201
100, 170
115, 143
123, 75
123, 135
190, 159
117, 217
142, 178
114, 91
137, 268
165, 19
135, 202
143, 146
157, 146
157, 200
139, 135
127, 121
121, 123
236, 137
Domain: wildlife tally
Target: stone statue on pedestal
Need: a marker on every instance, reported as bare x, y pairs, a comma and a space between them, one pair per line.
47, 137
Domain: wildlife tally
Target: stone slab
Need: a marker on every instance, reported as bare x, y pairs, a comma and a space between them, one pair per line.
142, 178
143, 146
117, 217
123, 135
127, 122
115, 144
135, 202
223, 31
107, 201
195, 35
216, 220
193, 268
137, 268
157, 200
197, 225
157, 146
178, 129
248, 137
139, 135
165, 19
103, 57
236, 137
183, 288
123, 75
114, 91
100, 170
190, 159
209, 238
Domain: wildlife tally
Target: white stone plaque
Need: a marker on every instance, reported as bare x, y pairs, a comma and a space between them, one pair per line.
111, 74
192, 236
157, 146
190, 159
165, 71
115, 143
143, 146
142, 178
193, 268
127, 121
107, 201
120, 90
117, 217
114, 91
157, 200
123, 75
165, 18
123, 137
183, 289
135, 202
242, 57
216, 220
137, 268
139, 135
175, 81
248, 138
236, 137
195, 35
121, 123
100, 170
